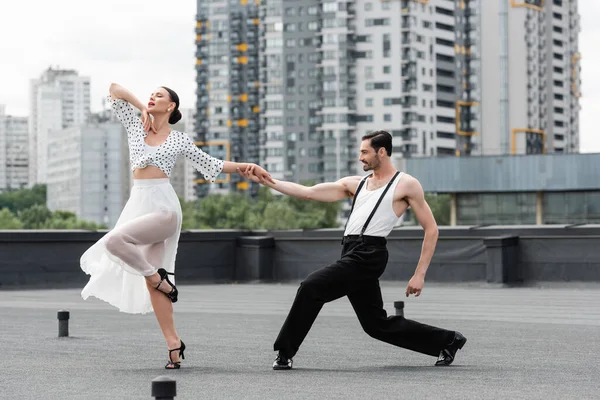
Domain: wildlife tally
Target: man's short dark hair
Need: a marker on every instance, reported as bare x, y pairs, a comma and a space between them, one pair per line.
380, 139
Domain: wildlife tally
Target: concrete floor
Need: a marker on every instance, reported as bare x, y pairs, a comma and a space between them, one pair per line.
525, 343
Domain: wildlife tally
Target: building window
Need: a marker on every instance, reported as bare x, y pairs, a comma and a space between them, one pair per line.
387, 117
376, 21
571, 207
495, 208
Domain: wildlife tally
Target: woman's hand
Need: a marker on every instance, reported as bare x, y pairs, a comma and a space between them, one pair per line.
147, 121
258, 172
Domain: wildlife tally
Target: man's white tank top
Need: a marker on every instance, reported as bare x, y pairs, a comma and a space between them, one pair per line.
384, 219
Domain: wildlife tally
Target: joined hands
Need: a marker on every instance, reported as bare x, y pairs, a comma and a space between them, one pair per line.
256, 173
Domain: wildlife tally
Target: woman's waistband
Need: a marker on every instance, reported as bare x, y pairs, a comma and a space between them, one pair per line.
151, 182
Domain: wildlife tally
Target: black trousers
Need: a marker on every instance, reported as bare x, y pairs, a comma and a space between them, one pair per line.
356, 275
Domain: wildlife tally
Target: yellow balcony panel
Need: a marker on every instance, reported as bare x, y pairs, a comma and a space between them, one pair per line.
243, 97
256, 21
516, 4
229, 123
198, 61
244, 2
242, 47
229, 98
242, 60
513, 138
256, 109
460, 104
242, 185
242, 123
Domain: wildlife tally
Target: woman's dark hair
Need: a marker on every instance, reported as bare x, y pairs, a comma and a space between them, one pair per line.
380, 139
176, 114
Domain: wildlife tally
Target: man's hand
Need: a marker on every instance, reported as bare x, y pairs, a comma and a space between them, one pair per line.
415, 285
256, 174
147, 121
248, 175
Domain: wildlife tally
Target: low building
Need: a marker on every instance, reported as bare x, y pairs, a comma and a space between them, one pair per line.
507, 190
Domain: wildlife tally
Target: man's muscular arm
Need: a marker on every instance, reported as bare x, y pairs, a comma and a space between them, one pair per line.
416, 200
325, 192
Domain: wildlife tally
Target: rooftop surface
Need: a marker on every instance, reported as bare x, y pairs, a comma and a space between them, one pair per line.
523, 343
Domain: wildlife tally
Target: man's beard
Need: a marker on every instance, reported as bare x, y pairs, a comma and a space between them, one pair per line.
372, 165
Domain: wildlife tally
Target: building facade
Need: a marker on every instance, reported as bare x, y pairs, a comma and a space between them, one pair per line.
58, 99
446, 78
14, 157
88, 171
524, 86
227, 104
514, 190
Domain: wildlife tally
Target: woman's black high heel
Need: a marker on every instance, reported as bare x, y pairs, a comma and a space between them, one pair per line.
176, 365
164, 275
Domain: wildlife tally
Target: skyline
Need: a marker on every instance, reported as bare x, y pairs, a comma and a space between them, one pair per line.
142, 45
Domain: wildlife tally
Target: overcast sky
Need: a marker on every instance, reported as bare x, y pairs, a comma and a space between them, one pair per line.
143, 44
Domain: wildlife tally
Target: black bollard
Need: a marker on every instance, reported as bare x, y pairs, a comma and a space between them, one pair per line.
164, 388
63, 323
399, 306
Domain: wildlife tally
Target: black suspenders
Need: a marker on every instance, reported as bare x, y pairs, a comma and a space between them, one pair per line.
360, 185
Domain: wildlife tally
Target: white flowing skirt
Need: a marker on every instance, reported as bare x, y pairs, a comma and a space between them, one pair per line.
111, 279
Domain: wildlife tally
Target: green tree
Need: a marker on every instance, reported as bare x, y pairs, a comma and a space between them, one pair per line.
278, 215
8, 220
68, 220
40, 217
35, 217
22, 199
440, 207
267, 211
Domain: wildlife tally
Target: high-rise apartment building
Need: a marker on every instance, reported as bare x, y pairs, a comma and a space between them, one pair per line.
3, 160
58, 99
14, 158
88, 171
445, 77
527, 64
227, 64
14, 151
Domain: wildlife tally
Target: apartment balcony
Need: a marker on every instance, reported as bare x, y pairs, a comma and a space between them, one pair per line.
405, 134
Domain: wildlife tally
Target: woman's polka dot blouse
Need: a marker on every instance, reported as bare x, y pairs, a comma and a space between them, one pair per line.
177, 143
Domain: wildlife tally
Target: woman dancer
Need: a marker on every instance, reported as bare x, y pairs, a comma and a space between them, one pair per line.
130, 266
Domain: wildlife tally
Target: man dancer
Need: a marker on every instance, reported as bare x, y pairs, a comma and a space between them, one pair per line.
379, 200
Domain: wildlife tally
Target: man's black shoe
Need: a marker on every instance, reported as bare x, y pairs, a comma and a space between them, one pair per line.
282, 362
447, 355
